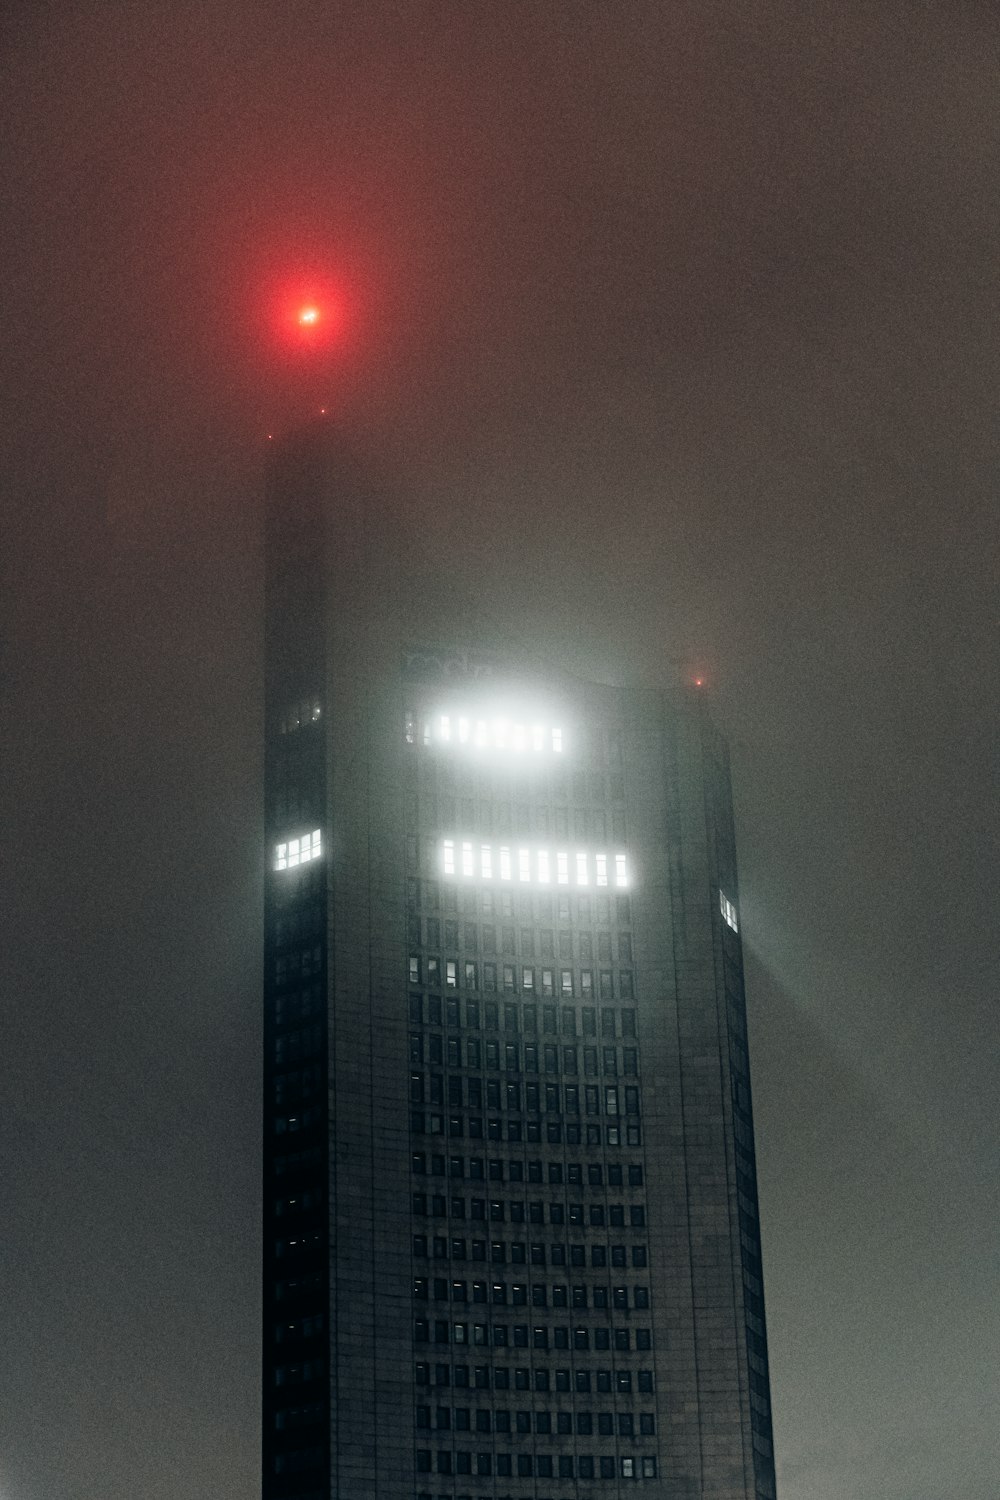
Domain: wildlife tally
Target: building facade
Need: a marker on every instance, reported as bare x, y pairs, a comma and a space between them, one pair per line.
511, 1240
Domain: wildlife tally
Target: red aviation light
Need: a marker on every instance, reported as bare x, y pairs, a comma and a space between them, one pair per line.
307, 317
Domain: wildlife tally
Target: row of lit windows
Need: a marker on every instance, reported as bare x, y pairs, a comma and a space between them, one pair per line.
553, 1059
428, 933
543, 1423
536, 1377
532, 865
518, 1017
497, 1211
525, 1336
298, 851
479, 1170
500, 733
499, 1252
539, 906
510, 1130
525, 1465
520, 1294
516, 979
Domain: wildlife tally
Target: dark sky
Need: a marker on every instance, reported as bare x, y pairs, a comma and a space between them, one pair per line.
688, 310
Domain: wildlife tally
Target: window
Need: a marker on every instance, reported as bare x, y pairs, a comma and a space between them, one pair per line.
728, 910
298, 851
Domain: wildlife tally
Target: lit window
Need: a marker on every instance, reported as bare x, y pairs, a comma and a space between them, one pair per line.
481, 734
298, 851
451, 974
729, 911
533, 865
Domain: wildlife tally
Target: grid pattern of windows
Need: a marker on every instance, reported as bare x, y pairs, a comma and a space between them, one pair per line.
527, 864
528, 1214
478, 732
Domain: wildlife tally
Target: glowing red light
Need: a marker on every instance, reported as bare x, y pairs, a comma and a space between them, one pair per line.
699, 682
308, 317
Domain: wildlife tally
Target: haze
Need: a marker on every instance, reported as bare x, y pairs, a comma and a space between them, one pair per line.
685, 310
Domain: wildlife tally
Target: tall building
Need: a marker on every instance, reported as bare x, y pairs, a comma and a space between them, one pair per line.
511, 1242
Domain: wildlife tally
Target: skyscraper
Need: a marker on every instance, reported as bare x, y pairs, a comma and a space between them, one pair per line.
511, 1242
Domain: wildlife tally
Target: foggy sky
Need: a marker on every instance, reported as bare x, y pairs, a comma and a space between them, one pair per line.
686, 309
